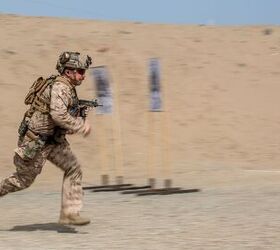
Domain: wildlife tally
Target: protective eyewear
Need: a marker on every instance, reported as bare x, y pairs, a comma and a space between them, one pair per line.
81, 71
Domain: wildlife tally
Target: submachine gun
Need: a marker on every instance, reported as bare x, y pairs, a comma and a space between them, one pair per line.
85, 105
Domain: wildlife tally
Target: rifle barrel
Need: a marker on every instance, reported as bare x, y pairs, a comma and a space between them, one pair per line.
89, 103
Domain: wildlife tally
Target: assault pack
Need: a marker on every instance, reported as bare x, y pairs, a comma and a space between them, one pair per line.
34, 95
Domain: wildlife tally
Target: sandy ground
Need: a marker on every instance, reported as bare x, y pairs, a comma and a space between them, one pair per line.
221, 87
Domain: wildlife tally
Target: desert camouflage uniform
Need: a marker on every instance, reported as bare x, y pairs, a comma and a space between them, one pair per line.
53, 125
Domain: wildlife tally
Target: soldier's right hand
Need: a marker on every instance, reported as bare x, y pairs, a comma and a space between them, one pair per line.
85, 130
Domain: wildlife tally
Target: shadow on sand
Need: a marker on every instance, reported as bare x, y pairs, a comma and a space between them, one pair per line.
46, 227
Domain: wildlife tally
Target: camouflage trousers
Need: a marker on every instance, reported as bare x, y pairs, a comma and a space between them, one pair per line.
60, 155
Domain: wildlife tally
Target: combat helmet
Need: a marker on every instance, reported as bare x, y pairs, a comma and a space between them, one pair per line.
72, 60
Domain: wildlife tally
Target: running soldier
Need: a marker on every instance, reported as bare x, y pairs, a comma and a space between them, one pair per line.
54, 112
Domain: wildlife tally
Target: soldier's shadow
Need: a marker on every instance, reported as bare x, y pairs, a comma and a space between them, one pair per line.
46, 227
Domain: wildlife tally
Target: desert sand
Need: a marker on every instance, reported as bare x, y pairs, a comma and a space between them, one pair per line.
220, 127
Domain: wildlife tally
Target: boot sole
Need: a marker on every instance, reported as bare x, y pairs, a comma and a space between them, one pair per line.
69, 222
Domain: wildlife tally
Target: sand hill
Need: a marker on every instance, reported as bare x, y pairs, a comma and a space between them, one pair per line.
221, 87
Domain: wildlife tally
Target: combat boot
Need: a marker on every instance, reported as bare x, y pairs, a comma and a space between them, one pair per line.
73, 219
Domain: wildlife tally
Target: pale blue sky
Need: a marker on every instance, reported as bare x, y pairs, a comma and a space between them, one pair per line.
220, 12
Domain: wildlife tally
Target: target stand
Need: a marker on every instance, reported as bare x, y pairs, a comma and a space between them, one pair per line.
167, 190
120, 186
105, 184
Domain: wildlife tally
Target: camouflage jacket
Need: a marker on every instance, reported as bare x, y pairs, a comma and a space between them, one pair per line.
62, 97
